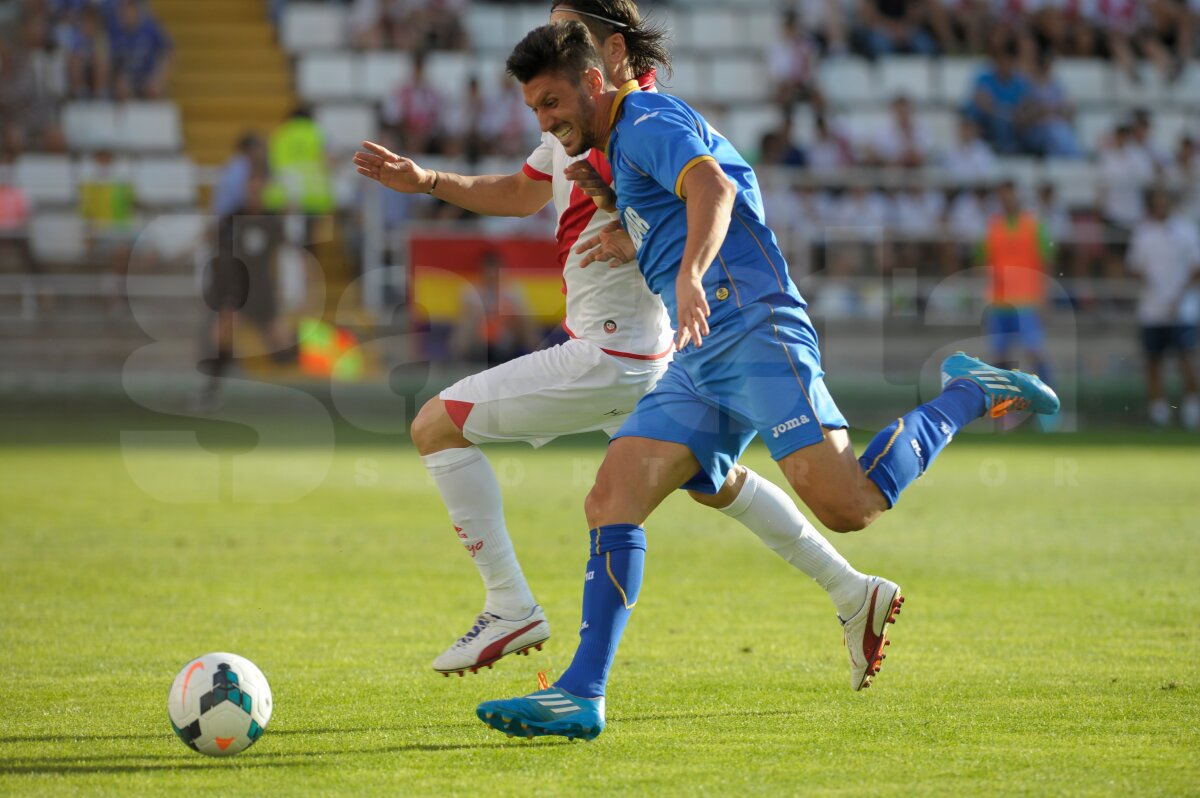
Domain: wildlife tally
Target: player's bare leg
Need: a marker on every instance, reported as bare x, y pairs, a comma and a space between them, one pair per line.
511, 621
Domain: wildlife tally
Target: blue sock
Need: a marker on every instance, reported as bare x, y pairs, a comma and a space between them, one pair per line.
610, 589
903, 450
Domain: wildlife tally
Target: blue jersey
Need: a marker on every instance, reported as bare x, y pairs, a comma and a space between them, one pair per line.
656, 140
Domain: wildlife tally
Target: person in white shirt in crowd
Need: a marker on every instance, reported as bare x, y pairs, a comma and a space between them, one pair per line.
507, 123
1185, 175
1053, 213
901, 140
826, 19
792, 61
1141, 124
965, 224
971, 158
830, 150
414, 110
1165, 255
1126, 170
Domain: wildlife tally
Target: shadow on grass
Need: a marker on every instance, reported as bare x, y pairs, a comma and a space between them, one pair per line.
134, 763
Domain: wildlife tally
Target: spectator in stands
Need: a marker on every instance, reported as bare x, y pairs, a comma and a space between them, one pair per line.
1016, 252
917, 223
960, 25
106, 202
900, 140
299, 170
1055, 217
779, 146
413, 111
1165, 256
250, 157
1000, 101
14, 234
965, 225
1128, 30
1051, 133
1126, 170
1142, 139
496, 325
1185, 172
508, 126
31, 84
365, 24
896, 26
971, 158
830, 150
792, 64
465, 123
826, 20
141, 53
89, 62
241, 282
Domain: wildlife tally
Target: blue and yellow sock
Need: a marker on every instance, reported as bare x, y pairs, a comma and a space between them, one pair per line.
610, 589
903, 450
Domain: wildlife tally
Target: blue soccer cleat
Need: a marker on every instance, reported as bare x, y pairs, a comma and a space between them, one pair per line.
1007, 391
546, 712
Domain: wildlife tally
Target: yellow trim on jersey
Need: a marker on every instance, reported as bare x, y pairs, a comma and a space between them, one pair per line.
687, 167
736, 294
888, 448
763, 250
792, 363
627, 88
616, 584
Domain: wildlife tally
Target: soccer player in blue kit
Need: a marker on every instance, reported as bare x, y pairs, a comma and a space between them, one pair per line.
747, 360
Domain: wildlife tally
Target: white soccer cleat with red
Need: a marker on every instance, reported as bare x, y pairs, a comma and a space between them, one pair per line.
866, 632
491, 638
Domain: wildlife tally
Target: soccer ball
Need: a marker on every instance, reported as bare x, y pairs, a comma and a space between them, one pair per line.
219, 704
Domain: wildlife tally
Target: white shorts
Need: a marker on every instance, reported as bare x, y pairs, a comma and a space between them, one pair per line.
564, 390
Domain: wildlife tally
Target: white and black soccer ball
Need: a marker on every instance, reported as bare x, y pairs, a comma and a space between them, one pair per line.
219, 704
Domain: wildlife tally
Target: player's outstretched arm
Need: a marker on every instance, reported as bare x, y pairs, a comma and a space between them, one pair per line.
492, 195
709, 196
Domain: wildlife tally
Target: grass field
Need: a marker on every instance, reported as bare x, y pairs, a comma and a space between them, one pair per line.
1048, 646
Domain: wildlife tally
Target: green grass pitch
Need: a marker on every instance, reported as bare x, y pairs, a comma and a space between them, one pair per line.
1049, 643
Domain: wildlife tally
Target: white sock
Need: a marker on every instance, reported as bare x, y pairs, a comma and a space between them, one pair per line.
767, 511
1160, 413
1191, 411
472, 495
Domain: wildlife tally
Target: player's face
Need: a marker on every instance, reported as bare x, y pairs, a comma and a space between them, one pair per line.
565, 109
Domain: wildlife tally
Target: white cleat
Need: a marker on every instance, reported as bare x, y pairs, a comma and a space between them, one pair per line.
491, 638
865, 633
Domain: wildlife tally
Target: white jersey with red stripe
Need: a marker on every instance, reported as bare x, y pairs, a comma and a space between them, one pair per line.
609, 307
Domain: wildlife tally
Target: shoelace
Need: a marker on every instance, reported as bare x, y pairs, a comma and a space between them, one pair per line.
1003, 406
482, 621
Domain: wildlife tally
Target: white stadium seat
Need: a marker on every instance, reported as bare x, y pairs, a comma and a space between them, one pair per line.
448, 72
327, 76
849, 81
313, 26
737, 79
688, 80
46, 179
906, 75
346, 126
382, 72
760, 27
1093, 127
1086, 80
90, 125
714, 28
1148, 91
164, 182
488, 28
746, 126
1075, 181
956, 78
1186, 90
942, 126
58, 237
149, 126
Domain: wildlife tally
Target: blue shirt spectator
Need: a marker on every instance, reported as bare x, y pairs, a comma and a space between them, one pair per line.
1000, 102
140, 48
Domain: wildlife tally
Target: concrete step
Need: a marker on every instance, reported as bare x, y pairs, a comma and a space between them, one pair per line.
182, 12
242, 60
226, 85
250, 109
231, 37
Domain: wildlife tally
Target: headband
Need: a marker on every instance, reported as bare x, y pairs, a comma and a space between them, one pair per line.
605, 20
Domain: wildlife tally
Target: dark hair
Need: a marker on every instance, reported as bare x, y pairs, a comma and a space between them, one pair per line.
565, 48
645, 41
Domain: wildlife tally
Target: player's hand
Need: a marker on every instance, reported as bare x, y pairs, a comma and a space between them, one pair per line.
612, 245
393, 171
584, 175
692, 324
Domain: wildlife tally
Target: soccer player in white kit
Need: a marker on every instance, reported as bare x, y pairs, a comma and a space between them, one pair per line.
621, 342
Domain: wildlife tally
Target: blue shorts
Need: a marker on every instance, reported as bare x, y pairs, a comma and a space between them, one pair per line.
1158, 339
759, 373
1011, 327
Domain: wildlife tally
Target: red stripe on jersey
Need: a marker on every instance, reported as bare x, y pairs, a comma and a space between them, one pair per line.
535, 174
458, 411
581, 209
618, 353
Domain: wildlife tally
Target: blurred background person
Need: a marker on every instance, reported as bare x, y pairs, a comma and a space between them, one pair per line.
1164, 255
141, 53
1015, 252
497, 324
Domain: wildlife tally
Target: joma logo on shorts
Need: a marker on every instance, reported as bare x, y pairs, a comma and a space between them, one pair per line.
791, 423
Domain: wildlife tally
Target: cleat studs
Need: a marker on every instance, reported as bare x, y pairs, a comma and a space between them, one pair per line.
510, 735
887, 642
489, 666
446, 674
538, 646
489, 715
505, 720
460, 673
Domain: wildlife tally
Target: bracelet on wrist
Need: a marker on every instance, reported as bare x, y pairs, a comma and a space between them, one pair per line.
436, 175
